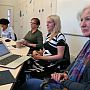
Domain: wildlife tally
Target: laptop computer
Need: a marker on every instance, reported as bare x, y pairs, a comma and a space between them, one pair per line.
0, 33
9, 60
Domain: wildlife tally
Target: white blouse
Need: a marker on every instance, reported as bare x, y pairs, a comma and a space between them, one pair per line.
8, 33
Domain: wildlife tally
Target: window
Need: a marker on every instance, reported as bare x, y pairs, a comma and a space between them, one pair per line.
9, 16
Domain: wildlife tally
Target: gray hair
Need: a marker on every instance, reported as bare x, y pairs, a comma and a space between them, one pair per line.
80, 13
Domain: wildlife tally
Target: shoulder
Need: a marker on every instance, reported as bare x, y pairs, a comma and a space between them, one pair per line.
9, 29
39, 32
60, 36
28, 32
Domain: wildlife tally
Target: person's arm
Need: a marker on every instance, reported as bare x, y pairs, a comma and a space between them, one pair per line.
70, 85
30, 44
76, 86
60, 51
39, 52
63, 75
79, 86
39, 41
59, 55
12, 33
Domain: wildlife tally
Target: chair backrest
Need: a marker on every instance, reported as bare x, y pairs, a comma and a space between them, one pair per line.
15, 37
61, 64
65, 62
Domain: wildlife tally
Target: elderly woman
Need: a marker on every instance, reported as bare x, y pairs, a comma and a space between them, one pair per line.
77, 76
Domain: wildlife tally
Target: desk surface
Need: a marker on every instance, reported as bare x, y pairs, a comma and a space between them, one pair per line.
19, 51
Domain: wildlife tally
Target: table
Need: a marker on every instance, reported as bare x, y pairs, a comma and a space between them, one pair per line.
18, 51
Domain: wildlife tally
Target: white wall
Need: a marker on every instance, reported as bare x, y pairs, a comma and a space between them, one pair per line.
7, 2
36, 8
68, 10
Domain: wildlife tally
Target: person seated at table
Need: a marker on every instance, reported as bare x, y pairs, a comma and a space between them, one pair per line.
6, 31
77, 76
34, 38
55, 52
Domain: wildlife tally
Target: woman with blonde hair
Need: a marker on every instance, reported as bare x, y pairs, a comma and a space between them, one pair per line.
57, 28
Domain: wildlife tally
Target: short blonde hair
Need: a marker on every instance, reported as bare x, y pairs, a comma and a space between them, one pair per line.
57, 28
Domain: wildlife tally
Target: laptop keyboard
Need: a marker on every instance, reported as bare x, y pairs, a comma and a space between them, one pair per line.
9, 59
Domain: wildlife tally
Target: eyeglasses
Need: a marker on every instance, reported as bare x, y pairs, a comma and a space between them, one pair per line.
85, 19
32, 22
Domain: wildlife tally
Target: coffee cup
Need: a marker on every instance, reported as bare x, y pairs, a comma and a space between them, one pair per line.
18, 44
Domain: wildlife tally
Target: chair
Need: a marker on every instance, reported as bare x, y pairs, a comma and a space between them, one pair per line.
64, 63
15, 37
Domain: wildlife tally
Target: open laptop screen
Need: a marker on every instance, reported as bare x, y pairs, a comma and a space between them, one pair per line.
3, 49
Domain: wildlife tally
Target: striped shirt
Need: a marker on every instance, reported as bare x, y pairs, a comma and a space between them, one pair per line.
51, 46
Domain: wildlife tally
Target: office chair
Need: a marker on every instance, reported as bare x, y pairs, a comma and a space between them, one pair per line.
15, 37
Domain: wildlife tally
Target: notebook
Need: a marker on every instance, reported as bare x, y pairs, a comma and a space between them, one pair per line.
9, 60
6, 77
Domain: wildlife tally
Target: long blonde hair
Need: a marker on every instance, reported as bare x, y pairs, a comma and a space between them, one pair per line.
57, 28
